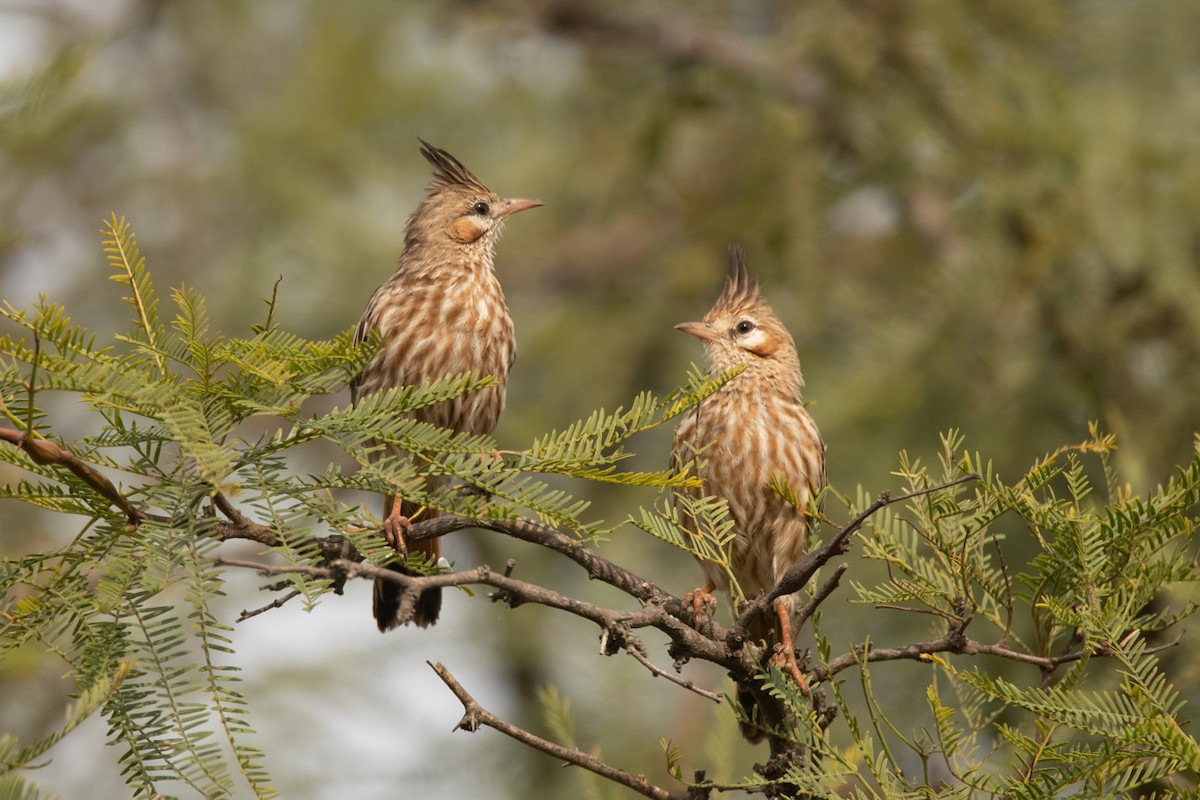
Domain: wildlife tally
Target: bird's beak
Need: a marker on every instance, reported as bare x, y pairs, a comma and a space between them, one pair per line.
701, 330
515, 204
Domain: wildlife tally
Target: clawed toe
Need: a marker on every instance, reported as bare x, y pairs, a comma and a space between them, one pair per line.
787, 663
786, 656
396, 529
703, 603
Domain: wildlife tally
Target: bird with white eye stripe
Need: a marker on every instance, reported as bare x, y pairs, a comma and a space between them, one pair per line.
751, 433
441, 313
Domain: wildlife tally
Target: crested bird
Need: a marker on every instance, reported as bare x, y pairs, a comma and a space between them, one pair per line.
441, 313
746, 441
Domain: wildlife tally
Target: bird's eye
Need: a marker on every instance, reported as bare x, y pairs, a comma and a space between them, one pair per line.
744, 327
480, 208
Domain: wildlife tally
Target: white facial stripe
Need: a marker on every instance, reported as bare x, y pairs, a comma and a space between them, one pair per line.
754, 340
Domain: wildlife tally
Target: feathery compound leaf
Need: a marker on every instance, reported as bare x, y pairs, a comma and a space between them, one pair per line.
696, 524
53, 327
191, 326
129, 269
51, 497
699, 387
12, 756
198, 435
556, 714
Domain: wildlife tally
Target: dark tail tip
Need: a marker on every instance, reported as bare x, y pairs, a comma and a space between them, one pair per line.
386, 603
752, 733
429, 607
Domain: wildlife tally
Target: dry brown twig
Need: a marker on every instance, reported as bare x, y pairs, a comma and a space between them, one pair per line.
475, 715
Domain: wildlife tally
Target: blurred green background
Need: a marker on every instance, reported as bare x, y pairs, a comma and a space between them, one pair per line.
983, 216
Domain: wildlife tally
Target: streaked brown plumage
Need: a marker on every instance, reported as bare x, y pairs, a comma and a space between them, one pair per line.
753, 429
441, 313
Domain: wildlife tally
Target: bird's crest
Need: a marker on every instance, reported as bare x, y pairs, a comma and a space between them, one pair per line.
741, 287
448, 171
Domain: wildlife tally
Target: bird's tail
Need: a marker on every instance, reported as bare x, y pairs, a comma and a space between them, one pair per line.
388, 596
763, 628
766, 628
746, 699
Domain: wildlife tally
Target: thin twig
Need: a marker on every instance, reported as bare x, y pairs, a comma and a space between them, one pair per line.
916, 652
46, 453
955, 642
276, 603
675, 679
1051, 663
827, 588
475, 715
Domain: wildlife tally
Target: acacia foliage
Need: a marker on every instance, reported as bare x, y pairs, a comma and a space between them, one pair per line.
188, 419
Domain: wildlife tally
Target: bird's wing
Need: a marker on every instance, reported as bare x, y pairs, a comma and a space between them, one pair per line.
362, 332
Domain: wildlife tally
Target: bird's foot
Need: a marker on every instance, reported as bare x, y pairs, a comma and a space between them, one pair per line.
785, 657
703, 603
786, 661
396, 528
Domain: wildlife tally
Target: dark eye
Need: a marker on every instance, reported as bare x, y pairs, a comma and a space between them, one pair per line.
745, 326
481, 208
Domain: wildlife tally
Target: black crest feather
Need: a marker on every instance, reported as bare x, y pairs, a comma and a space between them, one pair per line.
741, 286
448, 171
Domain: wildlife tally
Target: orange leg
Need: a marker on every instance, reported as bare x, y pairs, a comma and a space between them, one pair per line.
395, 525
702, 600
787, 659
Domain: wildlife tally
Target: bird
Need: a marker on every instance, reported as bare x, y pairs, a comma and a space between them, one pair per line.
441, 313
746, 441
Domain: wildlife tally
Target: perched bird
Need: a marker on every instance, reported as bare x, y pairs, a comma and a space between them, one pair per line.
441, 313
752, 433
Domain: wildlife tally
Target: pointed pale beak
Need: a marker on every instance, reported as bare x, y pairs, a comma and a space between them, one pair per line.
515, 204
701, 330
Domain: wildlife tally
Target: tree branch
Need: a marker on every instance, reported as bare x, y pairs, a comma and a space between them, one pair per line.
952, 642
955, 642
616, 626
46, 453
597, 566
827, 588
240, 526
475, 715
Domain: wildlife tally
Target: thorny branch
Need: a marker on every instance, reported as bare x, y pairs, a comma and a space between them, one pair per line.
475, 715
726, 647
616, 626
